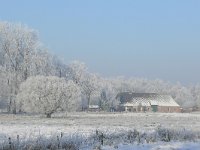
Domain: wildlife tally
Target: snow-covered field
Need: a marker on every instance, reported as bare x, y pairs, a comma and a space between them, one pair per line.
86, 124
157, 146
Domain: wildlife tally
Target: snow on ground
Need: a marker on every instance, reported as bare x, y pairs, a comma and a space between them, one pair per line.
33, 126
156, 146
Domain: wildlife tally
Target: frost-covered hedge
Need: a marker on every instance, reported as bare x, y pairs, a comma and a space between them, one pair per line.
95, 140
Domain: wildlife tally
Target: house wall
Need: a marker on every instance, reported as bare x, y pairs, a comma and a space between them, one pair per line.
164, 109
130, 109
137, 109
169, 109
94, 109
147, 109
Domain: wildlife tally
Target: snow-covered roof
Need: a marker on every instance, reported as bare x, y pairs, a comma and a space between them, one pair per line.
93, 106
148, 99
153, 102
138, 102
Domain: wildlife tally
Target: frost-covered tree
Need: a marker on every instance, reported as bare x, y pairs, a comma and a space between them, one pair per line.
108, 95
195, 91
17, 43
60, 68
43, 63
88, 82
77, 71
90, 86
22, 56
4, 88
47, 95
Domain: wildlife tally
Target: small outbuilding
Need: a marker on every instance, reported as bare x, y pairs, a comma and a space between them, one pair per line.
93, 108
147, 102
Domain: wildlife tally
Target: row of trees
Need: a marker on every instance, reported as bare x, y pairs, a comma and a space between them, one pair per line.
21, 56
31, 79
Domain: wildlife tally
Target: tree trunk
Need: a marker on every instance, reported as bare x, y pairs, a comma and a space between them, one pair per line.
88, 104
14, 111
9, 105
48, 115
10, 98
60, 73
14, 107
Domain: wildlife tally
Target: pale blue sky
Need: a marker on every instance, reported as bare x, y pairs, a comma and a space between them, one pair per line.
143, 38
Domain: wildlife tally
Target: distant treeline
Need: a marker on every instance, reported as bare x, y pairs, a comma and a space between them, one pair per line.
26, 66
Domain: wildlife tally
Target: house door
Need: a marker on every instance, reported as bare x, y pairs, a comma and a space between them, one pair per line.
154, 108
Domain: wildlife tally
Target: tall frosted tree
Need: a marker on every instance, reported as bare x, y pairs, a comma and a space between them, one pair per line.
108, 95
88, 82
17, 44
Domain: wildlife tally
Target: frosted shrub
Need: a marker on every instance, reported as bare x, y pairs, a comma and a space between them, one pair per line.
96, 140
168, 135
165, 134
132, 135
